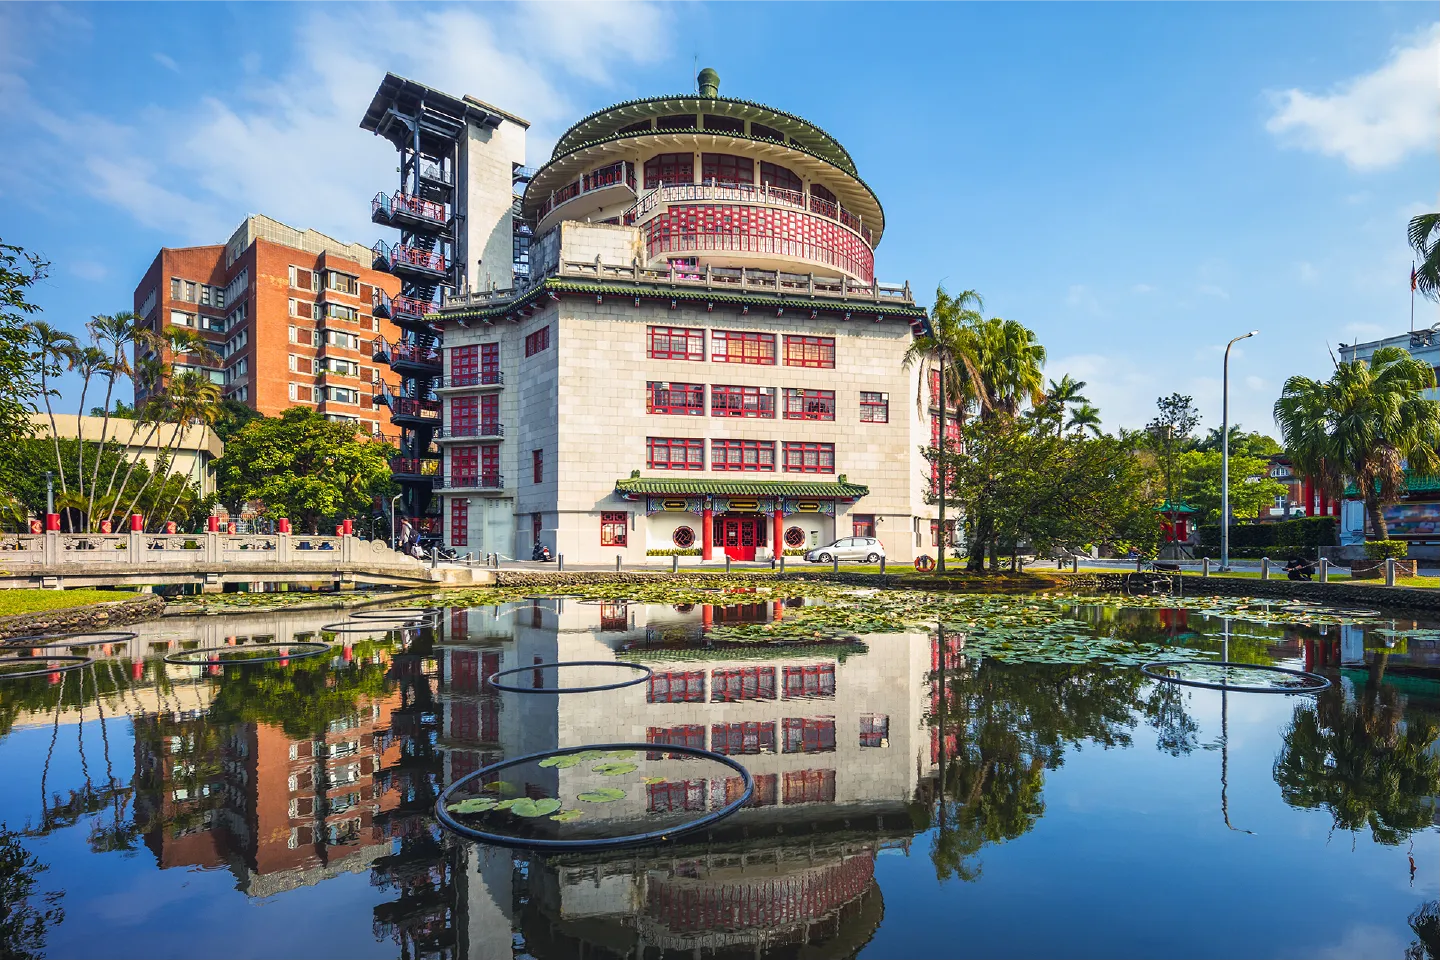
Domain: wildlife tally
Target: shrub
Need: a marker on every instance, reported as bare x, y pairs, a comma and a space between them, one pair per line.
796, 551
673, 552
1380, 550
1306, 531
1276, 552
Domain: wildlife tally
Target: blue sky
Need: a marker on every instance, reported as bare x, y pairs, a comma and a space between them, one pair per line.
1135, 182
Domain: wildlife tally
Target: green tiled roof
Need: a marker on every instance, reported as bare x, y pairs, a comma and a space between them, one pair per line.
1180, 508
862, 308
1424, 484
741, 488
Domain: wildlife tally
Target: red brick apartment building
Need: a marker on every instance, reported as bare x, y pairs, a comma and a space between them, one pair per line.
286, 311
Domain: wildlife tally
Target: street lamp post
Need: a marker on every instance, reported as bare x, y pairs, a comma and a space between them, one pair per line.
393, 545
49, 492
1226, 453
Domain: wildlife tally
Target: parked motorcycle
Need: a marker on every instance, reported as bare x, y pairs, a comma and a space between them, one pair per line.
540, 552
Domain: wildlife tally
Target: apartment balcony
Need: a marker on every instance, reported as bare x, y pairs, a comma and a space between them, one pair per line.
600, 188
470, 482
414, 468
408, 312
477, 381
406, 358
485, 430
696, 232
658, 198
412, 412
403, 210
409, 261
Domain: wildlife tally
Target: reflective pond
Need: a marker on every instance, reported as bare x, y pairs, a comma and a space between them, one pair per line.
942, 792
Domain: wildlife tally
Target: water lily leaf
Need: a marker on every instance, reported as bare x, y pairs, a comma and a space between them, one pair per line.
473, 805
528, 808
510, 803
570, 814
621, 754
561, 761
602, 795
589, 755
500, 786
653, 780
614, 770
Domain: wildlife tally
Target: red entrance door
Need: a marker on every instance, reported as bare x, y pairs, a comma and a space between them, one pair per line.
739, 537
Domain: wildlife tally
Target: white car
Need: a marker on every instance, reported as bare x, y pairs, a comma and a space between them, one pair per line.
867, 549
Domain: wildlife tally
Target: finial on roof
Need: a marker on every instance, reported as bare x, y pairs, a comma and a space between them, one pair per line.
709, 83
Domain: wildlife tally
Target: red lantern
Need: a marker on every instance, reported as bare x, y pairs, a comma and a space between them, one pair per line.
170, 527
35, 526
106, 527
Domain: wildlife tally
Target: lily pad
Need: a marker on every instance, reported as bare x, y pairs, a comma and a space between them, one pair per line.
567, 815
500, 786
527, 808
614, 770
506, 805
473, 805
622, 755
653, 780
602, 795
561, 761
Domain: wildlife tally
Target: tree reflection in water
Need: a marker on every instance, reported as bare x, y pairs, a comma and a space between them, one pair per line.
24, 916
1370, 761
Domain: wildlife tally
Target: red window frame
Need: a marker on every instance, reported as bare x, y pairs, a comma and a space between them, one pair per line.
675, 343
743, 455
863, 525
537, 341
743, 684
778, 176
875, 407
726, 169
803, 787
808, 735
875, 730
805, 351
743, 347
489, 363
537, 466
464, 365
668, 397
812, 680
821, 457
670, 168
676, 687
614, 526
744, 737
676, 796
802, 404
675, 453
684, 735
464, 416
489, 414
459, 522
464, 465
818, 191
733, 400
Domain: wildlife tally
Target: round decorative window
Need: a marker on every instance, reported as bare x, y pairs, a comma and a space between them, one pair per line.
683, 537
795, 537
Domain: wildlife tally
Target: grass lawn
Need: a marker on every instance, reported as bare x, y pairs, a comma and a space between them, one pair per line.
1280, 575
25, 601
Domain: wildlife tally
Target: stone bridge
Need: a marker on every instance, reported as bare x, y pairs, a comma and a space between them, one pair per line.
211, 561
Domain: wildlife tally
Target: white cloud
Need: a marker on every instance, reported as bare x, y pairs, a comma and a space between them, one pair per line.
289, 145
1307, 272
165, 61
1142, 289
1374, 120
1080, 297
89, 270
1211, 290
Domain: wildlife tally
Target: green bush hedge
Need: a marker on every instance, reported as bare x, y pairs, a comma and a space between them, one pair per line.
796, 551
673, 552
1308, 531
1277, 552
1380, 550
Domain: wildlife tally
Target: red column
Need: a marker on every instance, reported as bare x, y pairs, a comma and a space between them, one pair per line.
212, 524
779, 545
52, 522
1308, 497
706, 532
137, 523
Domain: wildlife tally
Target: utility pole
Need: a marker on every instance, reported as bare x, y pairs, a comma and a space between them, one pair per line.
1226, 454
941, 466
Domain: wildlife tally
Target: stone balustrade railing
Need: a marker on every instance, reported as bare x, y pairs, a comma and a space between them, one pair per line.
55, 550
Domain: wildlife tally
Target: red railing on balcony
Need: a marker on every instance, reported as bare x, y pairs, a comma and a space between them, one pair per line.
416, 207
474, 379
413, 407
428, 356
472, 480
413, 256
781, 240
418, 466
745, 193
613, 175
487, 428
412, 306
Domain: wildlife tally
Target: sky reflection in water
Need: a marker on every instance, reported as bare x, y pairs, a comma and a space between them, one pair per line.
1013, 810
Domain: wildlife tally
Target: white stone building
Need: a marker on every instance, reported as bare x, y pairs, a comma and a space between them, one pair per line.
694, 355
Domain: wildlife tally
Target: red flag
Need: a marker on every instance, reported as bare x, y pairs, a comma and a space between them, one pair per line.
1413, 279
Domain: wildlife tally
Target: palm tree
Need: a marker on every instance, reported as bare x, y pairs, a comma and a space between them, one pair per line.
1366, 425
187, 395
1419, 232
119, 331
89, 360
53, 348
1061, 395
148, 370
1085, 418
1006, 360
197, 404
951, 317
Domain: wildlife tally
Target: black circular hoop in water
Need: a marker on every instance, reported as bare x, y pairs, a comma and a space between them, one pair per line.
55, 640
595, 844
1310, 683
641, 678
397, 614
374, 626
79, 661
307, 649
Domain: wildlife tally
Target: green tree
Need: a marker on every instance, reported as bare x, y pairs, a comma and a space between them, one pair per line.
1251, 444
1198, 483
1085, 418
1364, 426
117, 332
55, 352
1170, 434
1062, 397
302, 466
22, 472
1424, 231
24, 915
19, 271
230, 417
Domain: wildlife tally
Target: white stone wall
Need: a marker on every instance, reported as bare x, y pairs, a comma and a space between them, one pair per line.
488, 155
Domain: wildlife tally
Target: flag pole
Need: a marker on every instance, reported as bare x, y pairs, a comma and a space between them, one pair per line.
1413, 296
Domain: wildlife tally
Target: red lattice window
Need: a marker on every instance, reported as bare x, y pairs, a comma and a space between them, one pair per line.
676, 796
675, 453
736, 347
684, 229
670, 168
823, 194
666, 397
464, 365
803, 787
613, 527
675, 343
743, 455
746, 737
804, 351
732, 401
676, 687
683, 537
489, 363
743, 684
817, 680
875, 730
464, 416
538, 341
489, 414
795, 537
863, 525
684, 735
810, 458
464, 463
810, 404
459, 522
809, 735
953, 430
778, 176
875, 407
726, 169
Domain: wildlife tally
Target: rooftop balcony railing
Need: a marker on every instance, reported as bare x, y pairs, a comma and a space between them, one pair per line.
384, 209
485, 428
415, 466
475, 378
617, 174
390, 258
386, 352
775, 244
487, 481
412, 407
655, 198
